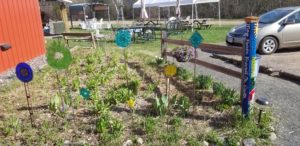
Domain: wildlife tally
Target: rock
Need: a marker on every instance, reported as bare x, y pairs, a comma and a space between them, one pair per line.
67, 143
272, 129
128, 143
272, 136
205, 143
249, 142
140, 141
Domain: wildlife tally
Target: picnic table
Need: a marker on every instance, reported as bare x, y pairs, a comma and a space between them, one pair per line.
141, 32
202, 23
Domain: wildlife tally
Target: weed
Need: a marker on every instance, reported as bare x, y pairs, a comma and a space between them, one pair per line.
161, 105
10, 126
176, 121
183, 74
149, 125
183, 103
203, 82
134, 86
118, 95
108, 127
218, 89
75, 84
229, 98
55, 104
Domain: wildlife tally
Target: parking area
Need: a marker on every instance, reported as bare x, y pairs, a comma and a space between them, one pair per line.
284, 61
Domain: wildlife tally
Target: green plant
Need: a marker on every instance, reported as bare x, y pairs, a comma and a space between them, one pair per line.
213, 138
149, 125
75, 84
159, 61
108, 127
55, 104
183, 74
229, 98
176, 121
134, 86
115, 96
161, 105
203, 82
10, 126
218, 89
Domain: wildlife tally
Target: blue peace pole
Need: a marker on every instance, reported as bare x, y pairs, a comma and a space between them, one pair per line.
249, 65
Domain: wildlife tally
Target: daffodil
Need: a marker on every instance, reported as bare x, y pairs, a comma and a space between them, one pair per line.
131, 103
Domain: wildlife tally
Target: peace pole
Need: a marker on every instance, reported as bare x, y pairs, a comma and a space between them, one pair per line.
249, 65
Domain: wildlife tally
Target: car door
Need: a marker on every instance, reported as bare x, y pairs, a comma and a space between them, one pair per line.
291, 31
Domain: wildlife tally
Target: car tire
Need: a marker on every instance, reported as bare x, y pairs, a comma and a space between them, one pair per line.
268, 45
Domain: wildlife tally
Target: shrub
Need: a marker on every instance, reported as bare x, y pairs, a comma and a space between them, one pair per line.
229, 98
183, 74
118, 95
204, 82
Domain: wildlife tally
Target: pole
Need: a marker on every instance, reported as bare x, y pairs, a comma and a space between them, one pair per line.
192, 17
248, 79
219, 5
159, 13
28, 105
196, 11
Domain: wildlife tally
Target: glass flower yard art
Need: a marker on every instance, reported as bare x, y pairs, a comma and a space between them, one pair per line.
58, 57
196, 39
24, 72
170, 70
123, 38
85, 93
131, 103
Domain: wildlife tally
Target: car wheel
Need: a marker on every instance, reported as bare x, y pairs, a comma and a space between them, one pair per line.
268, 45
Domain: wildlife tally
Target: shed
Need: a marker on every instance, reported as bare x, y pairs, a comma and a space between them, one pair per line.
21, 28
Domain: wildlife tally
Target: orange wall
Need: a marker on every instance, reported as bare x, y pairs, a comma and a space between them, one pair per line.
21, 27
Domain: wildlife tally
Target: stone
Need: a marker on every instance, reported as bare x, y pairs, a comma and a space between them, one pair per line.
272, 129
128, 143
67, 143
140, 141
205, 143
272, 136
249, 142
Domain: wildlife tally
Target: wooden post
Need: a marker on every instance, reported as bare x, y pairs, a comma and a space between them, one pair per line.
64, 16
163, 45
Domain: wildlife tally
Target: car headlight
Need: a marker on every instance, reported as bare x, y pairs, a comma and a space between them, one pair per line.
232, 30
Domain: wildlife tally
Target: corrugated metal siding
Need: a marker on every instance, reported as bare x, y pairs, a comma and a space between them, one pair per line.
21, 27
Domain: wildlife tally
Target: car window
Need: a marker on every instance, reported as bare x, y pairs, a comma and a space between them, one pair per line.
295, 17
273, 16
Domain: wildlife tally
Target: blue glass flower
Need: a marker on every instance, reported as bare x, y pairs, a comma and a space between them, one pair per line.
196, 39
85, 93
123, 38
24, 72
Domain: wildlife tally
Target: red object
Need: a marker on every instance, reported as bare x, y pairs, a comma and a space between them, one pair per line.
20, 27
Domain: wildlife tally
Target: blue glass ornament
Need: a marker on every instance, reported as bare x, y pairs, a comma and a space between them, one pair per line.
196, 39
85, 93
24, 72
123, 38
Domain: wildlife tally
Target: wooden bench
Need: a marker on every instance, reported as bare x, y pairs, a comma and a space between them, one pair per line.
79, 36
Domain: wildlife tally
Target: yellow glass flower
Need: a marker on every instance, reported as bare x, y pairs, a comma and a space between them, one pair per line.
170, 70
131, 103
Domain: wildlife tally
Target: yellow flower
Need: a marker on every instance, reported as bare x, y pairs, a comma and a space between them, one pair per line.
131, 103
170, 70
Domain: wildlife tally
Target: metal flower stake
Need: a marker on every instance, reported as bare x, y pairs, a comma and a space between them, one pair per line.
59, 58
25, 74
195, 40
123, 40
169, 71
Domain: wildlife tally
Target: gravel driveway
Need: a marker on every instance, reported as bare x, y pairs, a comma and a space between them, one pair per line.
283, 95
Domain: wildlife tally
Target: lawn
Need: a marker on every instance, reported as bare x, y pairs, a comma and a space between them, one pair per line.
127, 103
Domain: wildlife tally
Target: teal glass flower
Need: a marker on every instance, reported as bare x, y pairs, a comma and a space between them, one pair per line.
123, 38
85, 93
196, 39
